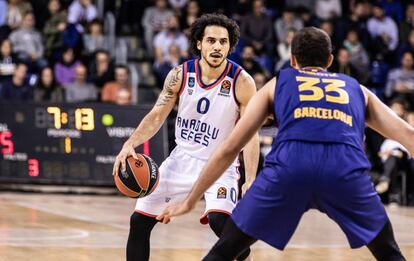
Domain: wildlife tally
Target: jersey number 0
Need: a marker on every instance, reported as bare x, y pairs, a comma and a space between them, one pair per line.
203, 105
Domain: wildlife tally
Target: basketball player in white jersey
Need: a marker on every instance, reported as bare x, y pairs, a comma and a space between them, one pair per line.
212, 93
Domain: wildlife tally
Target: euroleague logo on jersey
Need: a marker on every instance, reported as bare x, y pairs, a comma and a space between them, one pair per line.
225, 87
221, 192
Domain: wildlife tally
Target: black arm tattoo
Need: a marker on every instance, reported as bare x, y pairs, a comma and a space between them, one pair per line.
173, 78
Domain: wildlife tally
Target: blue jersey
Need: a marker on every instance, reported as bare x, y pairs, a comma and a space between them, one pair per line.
319, 106
317, 161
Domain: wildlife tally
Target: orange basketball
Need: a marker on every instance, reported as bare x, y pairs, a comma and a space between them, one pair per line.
140, 178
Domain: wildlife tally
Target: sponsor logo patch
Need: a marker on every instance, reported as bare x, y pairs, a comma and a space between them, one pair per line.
221, 192
190, 91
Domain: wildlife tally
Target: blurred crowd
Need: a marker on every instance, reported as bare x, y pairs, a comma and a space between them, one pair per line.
61, 55
60, 51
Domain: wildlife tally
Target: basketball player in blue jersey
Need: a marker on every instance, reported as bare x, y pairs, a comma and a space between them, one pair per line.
212, 93
317, 159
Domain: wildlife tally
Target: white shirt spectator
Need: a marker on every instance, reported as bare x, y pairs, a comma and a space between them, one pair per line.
164, 40
390, 147
178, 4
386, 25
328, 9
78, 12
3, 12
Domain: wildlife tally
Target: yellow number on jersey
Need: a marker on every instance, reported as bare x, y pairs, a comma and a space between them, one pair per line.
334, 86
309, 85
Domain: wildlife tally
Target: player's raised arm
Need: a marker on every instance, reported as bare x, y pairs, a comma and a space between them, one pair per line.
383, 120
256, 112
245, 90
153, 121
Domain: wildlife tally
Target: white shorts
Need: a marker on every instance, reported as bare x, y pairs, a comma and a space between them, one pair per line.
178, 173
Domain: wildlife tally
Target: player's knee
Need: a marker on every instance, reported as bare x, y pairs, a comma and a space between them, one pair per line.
217, 220
141, 223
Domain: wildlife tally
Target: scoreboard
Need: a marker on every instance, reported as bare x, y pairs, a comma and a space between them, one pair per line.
69, 144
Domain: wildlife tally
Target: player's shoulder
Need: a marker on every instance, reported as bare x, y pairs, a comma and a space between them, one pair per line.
174, 78
234, 70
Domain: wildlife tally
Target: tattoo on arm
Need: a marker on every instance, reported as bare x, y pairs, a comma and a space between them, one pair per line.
173, 78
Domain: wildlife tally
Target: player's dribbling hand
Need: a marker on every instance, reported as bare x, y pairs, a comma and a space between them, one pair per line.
126, 150
173, 211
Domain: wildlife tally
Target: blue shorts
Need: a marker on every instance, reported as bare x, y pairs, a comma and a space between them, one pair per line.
332, 178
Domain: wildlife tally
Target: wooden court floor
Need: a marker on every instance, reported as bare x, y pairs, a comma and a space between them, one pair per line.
70, 227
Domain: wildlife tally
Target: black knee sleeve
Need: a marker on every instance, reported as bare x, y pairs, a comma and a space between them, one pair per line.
384, 247
138, 246
233, 244
217, 220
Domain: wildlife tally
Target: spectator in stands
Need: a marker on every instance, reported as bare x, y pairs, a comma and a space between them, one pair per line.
3, 12
171, 36
173, 59
256, 28
378, 74
393, 9
53, 30
82, 12
191, 13
101, 69
284, 50
394, 157
401, 80
248, 61
328, 27
154, 20
342, 63
239, 9
383, 30
123, 97
109, 91
66, 67
309, 4
285, 23
328, 9
356, 21
405, 47
47, 90
308, 19
16, 11
407, 24
259, 79
16, 88
28, 43
7, 60
359, 56
95, 38
177, 6
80, 90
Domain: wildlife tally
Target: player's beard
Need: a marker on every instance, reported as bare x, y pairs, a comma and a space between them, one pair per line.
213, 65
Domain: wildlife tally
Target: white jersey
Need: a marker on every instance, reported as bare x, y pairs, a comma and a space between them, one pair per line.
206, 113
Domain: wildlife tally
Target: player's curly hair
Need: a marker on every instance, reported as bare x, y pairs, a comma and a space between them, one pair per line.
311, 47
197, 30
